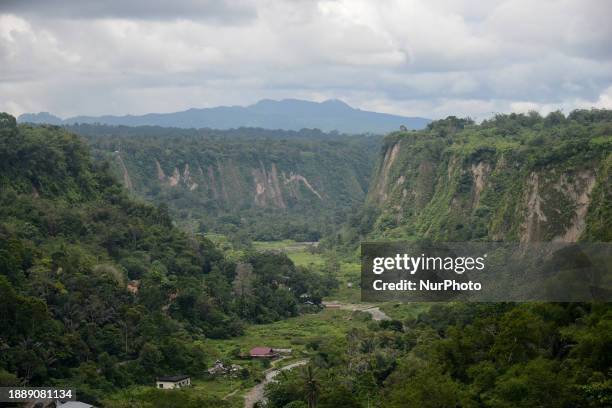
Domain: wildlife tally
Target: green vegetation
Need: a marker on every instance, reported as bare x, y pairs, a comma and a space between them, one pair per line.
210, 393
468, 355
249, 184
297, 333
344, 270
301, 253
348, 275
103, 292
303, 334
100, 292
514, 177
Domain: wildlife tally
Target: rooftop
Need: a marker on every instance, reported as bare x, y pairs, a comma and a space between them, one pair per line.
261, 350
73, 404
172, 378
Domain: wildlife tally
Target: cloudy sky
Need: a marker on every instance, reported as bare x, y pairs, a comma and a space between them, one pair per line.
428, 58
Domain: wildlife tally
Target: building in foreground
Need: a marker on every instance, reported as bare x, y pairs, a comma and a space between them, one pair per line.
172, 381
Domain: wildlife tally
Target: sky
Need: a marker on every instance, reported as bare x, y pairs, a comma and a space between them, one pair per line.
429, 58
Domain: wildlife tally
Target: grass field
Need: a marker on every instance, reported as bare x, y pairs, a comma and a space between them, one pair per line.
292, 333
403, 311
230, 390
299, 252
349, 278
302, 255
286, 245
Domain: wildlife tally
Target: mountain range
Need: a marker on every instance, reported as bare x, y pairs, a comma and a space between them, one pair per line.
287, 114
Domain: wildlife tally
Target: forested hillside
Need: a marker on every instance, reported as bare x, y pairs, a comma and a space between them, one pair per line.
251, 183
513, 178
99, 292
471, 355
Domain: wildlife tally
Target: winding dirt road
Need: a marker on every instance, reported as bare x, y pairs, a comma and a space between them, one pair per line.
256, 393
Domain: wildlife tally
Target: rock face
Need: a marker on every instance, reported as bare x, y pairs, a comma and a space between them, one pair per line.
465, 188
285, 177
127, 181
269, 187
389, 157
177, 178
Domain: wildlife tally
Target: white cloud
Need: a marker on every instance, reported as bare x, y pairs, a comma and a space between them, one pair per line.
427, 58
603, 101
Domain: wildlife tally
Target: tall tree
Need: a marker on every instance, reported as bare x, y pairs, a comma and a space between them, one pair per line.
312, 387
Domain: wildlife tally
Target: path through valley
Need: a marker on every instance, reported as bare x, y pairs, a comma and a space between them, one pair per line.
256, 393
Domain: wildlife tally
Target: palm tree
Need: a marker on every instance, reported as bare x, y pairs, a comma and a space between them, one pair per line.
311, 386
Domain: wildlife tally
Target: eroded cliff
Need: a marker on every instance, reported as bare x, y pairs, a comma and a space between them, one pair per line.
512, 178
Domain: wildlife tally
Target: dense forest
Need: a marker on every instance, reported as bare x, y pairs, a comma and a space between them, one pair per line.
463, 355
248, 183
515, 178
99, 291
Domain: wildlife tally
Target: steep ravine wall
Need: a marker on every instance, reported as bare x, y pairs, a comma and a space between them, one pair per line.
242, 173
225, 186
232, 185
437, 188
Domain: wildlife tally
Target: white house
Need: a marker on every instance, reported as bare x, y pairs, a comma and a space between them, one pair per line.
173, 381
72, 404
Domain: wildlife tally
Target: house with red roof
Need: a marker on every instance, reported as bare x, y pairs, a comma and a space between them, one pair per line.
262, 352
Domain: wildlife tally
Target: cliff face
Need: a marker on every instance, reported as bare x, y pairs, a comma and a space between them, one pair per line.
231, 186
502, 180
203, 178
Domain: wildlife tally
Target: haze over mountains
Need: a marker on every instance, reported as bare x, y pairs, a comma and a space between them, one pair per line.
288, 114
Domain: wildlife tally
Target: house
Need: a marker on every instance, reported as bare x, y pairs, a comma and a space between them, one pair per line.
262, 352
172, 381
72, 404
57, 403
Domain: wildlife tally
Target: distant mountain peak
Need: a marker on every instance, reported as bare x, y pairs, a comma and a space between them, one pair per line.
336, 102
288, 114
